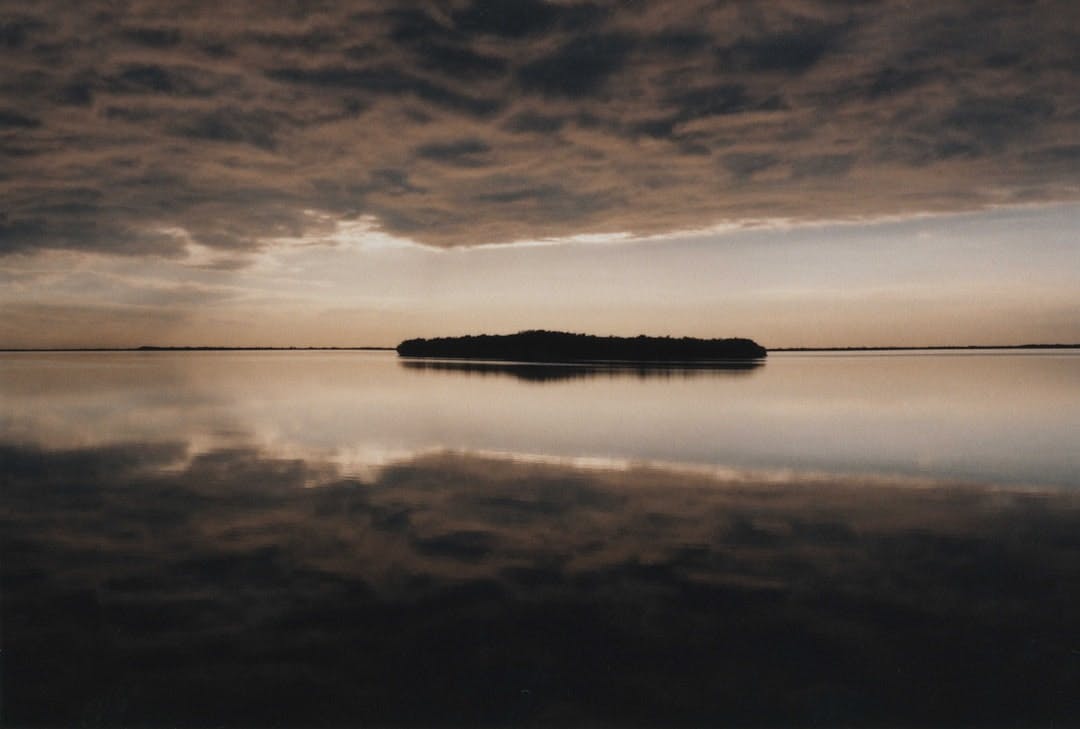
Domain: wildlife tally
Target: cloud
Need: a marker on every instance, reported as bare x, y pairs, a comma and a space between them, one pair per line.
386, 80
228, 121
578, 68
459, 153
459, 62
516, 20
13, 119
744, 165
154, 79
793, 51
535, 122
153, 37
228, 125
822, 165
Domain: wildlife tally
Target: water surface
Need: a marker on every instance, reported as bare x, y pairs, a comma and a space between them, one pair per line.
347, 539
991, 416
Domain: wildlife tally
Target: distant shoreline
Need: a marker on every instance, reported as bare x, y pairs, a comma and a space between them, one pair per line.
199, 349
923, 349
391, 349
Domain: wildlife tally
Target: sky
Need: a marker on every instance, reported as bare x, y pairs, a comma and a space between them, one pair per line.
356, 173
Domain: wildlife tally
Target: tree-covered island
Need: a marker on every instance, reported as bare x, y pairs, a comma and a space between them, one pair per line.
548, 346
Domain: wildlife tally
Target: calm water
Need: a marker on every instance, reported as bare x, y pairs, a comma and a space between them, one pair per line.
990, 417
344, 538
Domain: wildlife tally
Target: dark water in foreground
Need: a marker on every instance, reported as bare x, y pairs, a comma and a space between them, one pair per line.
274, 539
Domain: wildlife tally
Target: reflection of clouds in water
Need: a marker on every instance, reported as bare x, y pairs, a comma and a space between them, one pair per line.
1005, 419
443, 588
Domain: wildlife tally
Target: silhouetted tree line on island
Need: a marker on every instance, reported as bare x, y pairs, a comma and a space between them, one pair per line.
548, 346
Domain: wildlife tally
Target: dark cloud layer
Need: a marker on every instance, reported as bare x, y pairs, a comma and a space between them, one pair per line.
134, 127
143, 586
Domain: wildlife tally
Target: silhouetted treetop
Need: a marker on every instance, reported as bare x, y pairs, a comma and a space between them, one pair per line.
548, 346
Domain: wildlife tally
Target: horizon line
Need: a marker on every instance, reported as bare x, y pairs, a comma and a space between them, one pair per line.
226, 348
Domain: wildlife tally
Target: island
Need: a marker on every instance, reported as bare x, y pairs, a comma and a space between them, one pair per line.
548, 346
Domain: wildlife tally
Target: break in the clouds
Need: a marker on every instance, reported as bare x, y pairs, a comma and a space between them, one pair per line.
141, 128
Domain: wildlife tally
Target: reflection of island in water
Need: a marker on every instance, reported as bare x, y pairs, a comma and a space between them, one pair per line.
555, 372
153, 585
547, 346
